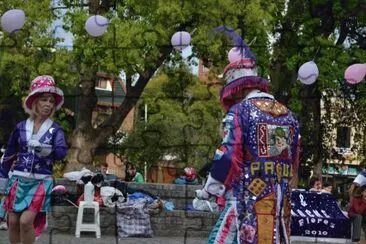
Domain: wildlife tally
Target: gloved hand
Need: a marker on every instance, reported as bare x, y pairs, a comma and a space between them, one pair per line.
202, 194
39, 148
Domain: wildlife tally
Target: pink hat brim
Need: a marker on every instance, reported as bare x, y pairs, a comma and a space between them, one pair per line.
236, 86
57, 93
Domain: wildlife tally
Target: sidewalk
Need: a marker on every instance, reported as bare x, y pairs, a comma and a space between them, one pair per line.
89, 238
62, 238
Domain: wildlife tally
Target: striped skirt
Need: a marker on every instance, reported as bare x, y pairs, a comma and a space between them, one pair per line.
28, 194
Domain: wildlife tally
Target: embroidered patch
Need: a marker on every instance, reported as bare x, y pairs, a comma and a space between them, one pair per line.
218, 154
229, 117
274, 140
265, 210
271, 107
226, 135
257, 186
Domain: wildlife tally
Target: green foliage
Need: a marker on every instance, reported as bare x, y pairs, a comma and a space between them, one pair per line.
183, 120
330, 32
282, 34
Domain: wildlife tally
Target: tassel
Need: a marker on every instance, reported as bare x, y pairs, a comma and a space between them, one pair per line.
238, 41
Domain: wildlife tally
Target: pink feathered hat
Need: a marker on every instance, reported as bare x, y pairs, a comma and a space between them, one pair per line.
241, 74
43, 84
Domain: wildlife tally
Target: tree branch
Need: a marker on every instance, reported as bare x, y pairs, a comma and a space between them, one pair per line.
111, 125
343, 32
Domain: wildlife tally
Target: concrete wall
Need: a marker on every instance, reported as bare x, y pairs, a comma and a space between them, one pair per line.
180, 195
167, 223
173, 223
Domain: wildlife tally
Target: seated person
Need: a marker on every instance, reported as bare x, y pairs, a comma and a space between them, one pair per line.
132, 175
358, 182
315, 184
357, 213
106, 175
327, 188
188, 177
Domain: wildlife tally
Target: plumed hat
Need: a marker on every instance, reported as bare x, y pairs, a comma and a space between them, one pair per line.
241, 74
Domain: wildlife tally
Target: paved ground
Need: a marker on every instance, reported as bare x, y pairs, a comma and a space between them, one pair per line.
62, 238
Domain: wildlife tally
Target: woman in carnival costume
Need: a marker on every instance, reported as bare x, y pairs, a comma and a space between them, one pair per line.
28, 161
255, 162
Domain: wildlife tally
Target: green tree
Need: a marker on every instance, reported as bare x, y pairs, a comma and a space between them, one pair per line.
332, 32
138, 42
24, 55
183, 120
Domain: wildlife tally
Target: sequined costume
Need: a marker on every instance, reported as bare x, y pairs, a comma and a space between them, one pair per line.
254, 162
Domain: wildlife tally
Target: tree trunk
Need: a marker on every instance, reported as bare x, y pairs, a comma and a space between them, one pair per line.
82, 150
310, 117
85, 139
82, 139
318, 145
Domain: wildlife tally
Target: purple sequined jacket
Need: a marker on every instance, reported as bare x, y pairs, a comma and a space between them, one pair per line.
33, 159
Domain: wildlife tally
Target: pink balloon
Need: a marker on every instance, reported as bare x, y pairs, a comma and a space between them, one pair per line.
234, 55
308, 73
180, 40
355, 73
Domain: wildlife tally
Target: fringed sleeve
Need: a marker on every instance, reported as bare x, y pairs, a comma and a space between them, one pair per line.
228, 159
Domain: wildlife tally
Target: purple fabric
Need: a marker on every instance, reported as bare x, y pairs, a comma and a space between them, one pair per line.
18, 157
259, 148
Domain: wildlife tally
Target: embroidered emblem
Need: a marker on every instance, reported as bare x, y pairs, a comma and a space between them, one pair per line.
254, 114
302, 201
271, 107
226, 135
247, 233
247, 215
27, 160
218, 154
279, 141
274, 140
229, 118
262, 140
257, 186
265, 209
47, 140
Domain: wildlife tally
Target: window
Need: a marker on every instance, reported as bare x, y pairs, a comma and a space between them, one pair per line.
102, 83
344, 137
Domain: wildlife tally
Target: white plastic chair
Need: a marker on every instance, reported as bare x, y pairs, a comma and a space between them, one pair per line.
88, 227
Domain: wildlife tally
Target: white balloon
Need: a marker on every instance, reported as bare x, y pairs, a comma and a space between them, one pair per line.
13, 20
308, 73
96, 25
180, 40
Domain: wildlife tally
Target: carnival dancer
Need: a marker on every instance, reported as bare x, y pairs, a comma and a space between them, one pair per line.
27, 163
256, 160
